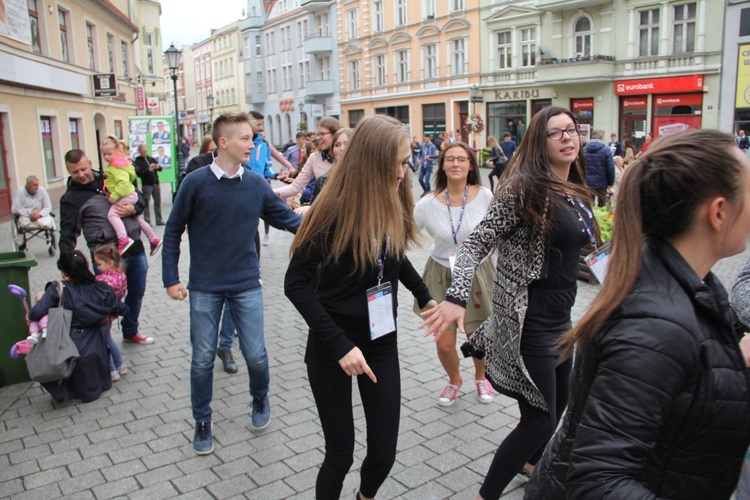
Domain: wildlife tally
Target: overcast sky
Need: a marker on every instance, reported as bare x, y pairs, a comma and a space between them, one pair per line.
186, 22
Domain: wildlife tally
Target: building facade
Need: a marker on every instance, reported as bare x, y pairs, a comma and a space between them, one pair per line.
204, 94
228, 74
630, 67
290, 60
50, 100
416, 61
148, 54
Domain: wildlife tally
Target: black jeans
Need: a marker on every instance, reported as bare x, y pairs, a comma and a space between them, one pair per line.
527, 441
332, 390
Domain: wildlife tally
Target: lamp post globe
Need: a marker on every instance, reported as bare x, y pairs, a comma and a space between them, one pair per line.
174, 58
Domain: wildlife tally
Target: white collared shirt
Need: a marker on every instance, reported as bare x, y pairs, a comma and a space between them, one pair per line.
219, 173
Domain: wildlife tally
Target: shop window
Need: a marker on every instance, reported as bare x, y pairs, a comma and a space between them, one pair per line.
676, 112
503, 117
503, 50
47, 124
355, 115
400, 113
684, 28
433, 116
75, 140
745, 22
583, 34
649, 32
118, 129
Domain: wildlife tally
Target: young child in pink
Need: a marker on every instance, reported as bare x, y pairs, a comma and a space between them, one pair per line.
111, 272
38, 329
119, 176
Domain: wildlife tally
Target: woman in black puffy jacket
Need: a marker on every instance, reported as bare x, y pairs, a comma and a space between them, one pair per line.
660, 397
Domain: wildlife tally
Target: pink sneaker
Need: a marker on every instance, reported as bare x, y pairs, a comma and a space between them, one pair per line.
155, 246
485, 394
449, 394
114, 376
124, 244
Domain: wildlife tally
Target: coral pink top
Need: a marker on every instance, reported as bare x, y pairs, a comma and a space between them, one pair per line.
119, 283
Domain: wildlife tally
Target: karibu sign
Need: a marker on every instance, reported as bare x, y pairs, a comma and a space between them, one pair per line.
514, 95
692, 83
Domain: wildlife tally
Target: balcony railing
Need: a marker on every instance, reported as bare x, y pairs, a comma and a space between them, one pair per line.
315, 43
575, 60
320, 87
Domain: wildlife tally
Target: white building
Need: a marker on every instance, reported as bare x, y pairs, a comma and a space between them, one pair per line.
290, 63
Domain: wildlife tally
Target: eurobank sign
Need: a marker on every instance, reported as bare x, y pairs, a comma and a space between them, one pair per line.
692, 83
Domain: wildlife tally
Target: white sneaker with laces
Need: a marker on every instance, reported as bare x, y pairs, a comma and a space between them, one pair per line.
449, 394
485, 394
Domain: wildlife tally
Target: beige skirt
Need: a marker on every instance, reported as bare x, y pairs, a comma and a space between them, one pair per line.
438, 279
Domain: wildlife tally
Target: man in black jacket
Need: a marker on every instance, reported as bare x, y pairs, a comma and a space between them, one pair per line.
600, 165
84, 208
148, 169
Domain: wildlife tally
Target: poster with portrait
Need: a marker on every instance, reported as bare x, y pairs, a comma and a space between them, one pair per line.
155, 133
160, 132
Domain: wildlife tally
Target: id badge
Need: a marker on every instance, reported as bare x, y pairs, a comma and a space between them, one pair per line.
452, 260
380, 310
598, 260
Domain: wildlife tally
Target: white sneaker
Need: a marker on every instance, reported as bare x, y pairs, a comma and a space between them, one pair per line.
485, 394
265, 241
449, 394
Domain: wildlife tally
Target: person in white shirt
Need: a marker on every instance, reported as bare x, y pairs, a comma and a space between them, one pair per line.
449, 213
33, 206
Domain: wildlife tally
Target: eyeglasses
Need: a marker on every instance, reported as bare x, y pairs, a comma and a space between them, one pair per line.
325, 133
555, 134
460, 159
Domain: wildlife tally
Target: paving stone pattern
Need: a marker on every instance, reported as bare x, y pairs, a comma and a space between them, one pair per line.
135, 441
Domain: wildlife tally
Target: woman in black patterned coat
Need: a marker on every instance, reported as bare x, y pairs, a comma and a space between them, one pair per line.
539, 221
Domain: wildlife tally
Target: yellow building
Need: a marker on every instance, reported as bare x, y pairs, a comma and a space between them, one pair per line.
415, 61
50, 100
228, 76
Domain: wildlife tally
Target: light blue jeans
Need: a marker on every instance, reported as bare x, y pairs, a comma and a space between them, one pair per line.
246, 309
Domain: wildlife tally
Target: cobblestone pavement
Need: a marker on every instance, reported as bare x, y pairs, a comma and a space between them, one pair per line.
135, 441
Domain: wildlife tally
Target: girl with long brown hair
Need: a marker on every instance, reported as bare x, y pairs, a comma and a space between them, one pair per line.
539, 221
347, 260
449, 214
661, 392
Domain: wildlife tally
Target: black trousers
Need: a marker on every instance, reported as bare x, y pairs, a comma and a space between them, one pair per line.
527, 441
332, 390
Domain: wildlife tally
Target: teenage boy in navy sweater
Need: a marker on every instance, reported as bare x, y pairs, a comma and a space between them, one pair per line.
221, 204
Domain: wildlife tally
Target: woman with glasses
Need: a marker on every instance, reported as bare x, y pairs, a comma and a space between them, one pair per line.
539, 220
318, 163
449, 213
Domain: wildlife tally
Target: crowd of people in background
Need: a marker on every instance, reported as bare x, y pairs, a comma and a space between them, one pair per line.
657, 393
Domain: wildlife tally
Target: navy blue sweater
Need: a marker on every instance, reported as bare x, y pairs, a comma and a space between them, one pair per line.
222, 217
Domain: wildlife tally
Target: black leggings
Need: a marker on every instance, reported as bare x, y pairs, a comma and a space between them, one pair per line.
332, 390
527, 441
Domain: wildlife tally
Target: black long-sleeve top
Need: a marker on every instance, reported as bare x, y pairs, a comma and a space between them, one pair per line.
332, 299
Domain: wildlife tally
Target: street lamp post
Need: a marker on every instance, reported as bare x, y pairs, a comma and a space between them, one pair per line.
174, 57
210, 101
474, 98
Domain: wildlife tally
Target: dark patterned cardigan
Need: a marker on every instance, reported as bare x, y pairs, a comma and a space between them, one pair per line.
521, 248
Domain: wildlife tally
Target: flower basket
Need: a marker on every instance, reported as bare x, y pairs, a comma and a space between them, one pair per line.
474, 124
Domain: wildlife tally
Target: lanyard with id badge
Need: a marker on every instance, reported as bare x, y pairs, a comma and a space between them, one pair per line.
598, 259
380, 301
455, 229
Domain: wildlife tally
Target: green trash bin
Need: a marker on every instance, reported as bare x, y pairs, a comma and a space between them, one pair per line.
14, 269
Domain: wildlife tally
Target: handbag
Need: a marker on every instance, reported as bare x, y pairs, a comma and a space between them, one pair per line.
54, 358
